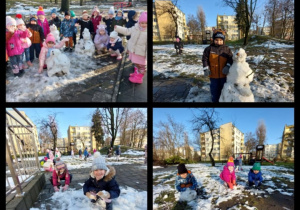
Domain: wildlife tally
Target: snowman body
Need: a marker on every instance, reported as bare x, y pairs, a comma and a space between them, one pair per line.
86, 45
58, 64
54, 32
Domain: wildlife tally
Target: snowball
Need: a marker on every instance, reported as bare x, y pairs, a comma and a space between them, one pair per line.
188, 195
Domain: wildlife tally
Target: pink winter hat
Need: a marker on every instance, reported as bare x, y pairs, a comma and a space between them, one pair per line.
40, 11
101, 27
143, 17
50, 38
10, 21
230, 162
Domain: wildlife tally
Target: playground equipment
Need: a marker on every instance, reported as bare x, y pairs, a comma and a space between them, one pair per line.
206, 39
123, 4
259, 157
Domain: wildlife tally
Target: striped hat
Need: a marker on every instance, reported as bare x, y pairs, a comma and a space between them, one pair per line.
60, 165
230, 162
40, 11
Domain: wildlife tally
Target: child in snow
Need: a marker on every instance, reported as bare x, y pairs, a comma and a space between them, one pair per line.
14, 45
74, 19
85, 153
137, 47
36, 38
118, 152
217, 59
60, 173
57, 154
102, 183
101, 40
228, 174
80, 153
48, 45
67, 30
25, 42
85, 23
119, 20
96, 18
115, 46
185, 179
255, 176
108, 20
42, 21
240, 162
132, 16
178, 45
54, 19
94, 150
110, 152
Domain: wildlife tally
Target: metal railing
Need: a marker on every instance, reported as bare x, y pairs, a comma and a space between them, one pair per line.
21, 152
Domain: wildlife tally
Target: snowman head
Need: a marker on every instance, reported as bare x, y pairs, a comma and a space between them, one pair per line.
55, 52
53, 27
239, 55
86, 34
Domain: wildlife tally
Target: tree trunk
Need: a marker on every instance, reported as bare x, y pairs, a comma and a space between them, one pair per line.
81, 2
212, 147
56, 1
246, 35
65, 5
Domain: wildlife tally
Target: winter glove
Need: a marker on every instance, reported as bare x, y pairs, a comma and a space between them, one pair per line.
104, 194
90, 196
65, 187
225, 70
56, 189
206, 71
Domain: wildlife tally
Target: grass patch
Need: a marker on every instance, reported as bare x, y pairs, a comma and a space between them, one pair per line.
161, 199
289, 165
279, 180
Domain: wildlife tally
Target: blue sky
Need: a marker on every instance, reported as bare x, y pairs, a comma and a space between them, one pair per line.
246, 119
211, 8
65, 117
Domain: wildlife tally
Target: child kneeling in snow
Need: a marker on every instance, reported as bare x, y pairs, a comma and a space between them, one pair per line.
178, 45
101, 39
115, 46
60, 173
48, 45
228, 174
255, 176
102, 183
185, 179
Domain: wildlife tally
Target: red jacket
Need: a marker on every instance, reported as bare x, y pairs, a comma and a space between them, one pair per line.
226, 175
65, 175
96, 21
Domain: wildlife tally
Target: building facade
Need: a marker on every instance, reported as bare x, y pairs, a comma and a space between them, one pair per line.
79, 135
227, 22
287, 143
228, 140
271, 151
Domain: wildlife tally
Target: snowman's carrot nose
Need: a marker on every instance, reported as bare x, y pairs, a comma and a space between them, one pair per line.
237, 54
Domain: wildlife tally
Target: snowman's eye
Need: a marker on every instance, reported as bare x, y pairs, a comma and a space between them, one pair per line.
237, 54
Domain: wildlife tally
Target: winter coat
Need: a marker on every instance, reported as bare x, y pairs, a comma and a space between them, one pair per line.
138, 42
121, 22
118, 45
75, 28
13, 42
37, 33
101, 40
85, 152
65, 175
108, 23
85, 24
226, 175
67, 28
56, 21
51, 156
130, 22
96, 21
107, 183
44, 52
80, 152
118, 152
57, 154
25, 42
178, 45
190, 180
252, 177
48, 155
45, 26
216, 57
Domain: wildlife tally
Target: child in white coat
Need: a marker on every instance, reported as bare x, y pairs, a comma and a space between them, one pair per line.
137, 47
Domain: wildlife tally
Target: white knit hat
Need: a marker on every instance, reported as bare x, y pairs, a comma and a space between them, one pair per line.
99, 163
111, 11
10, 21
19, 21
114, 34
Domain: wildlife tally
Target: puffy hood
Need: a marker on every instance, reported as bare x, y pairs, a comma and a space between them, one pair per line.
131, 13
110, 173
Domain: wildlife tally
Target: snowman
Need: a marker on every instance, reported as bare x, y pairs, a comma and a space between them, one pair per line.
58, 64
188, 195
237, 88
86, 46
55, 32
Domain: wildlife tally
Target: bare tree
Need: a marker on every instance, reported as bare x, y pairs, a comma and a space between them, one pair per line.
187, 149
228, 151
272, 14
261, 131
201, 18
264, 22
170, 30
207, 119
124, 127
255, 23
193, 24
65, 5
286, 8
82, 137
49, 125
250, 142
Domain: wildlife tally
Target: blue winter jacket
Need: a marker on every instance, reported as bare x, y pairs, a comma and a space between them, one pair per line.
189, 179
118, 151
67, 28
108, 23
252, 177
130, 22
118, 46
85, 152
75, 28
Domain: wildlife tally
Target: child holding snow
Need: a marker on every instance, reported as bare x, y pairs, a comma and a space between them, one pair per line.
228, 174
48, 45
137, 47
36, 38
108, 20
67, 30
85, 23
115, 46
96, 18
132, 16
178, 45
101, 39
14, 45
101, 183
217, 59
255, 176
25, 42
54, 19
119, 20
42, 21
60, 173
185, 179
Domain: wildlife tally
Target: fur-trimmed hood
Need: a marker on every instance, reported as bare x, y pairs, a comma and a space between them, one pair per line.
109, 175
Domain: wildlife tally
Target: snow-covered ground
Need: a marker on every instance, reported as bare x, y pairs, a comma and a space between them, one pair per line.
133, 152
267, 86
214, 189
75, 200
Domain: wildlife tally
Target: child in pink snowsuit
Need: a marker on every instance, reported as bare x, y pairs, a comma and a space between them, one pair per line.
228, 174
42, 21
137, 47
48, 45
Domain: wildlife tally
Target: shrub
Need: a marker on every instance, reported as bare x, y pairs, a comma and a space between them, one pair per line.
176, 160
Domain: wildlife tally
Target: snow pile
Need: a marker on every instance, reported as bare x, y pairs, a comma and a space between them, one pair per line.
133, 152
258, 59
85, 46
274, 45
188, 195
58, 64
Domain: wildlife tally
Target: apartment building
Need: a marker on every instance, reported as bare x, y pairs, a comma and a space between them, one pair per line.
227, 22
287, 143
271, 150
228, 140
79, 135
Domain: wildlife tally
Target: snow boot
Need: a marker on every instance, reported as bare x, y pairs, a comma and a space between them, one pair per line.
119, 57
66, 49
138, 78
71, 49
113, 54
135, 71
